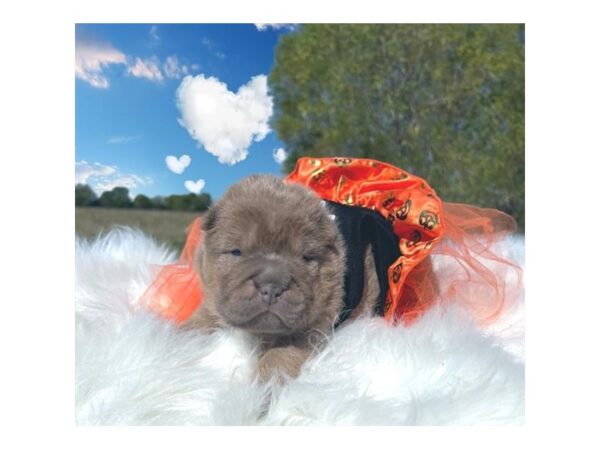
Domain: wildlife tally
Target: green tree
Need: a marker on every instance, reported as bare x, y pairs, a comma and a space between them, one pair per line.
201, 202
177, 202
142, 202
445, 102
118, 197
188, 202
84, 195
159, 202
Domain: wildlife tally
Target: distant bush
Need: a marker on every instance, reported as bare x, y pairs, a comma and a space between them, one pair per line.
118, 197
84, 195
158, 202
142, 202
189, 202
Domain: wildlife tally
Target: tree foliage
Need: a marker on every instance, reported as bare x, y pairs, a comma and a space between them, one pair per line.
189, 202
445, 102
118, 197
84, 195
142, 202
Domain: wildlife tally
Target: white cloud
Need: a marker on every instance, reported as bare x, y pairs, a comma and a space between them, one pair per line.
173, 69
104, 178
212, 48
280, 155
178, 165
154, 37
122, 139
147, 68
276, 26
225, 123
128, 181
84, 171
91, 58
194, 186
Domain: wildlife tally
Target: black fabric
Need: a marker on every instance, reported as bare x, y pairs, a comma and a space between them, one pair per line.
359, 227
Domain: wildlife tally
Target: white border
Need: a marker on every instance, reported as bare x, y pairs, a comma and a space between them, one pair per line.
562, 219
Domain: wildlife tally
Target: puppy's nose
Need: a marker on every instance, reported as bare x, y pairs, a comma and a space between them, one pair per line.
272, 281
270, 293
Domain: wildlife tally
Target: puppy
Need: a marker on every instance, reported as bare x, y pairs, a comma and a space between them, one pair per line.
272, 262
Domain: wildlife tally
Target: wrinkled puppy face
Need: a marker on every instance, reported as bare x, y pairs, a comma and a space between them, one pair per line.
272, 260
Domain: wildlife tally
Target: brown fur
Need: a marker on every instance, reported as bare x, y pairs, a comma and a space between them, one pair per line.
291, 254
273, 225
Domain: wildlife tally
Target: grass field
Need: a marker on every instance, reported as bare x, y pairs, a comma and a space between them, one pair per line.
164, 226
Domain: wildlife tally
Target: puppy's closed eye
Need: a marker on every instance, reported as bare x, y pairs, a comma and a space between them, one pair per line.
319, 255
235, 252
309, 258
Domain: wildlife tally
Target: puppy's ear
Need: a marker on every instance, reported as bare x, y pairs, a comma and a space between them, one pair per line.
209, 221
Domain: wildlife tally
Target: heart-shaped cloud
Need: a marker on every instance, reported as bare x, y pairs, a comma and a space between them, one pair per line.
178, 165
225, 123
280, 155
194, 186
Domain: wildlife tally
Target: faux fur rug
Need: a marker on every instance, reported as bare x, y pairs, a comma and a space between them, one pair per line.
136, 369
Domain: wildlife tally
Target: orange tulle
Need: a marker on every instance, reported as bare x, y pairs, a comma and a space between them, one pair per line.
461, 237
469, 270
176, 291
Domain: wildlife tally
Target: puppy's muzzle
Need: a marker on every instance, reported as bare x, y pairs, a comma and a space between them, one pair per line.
272, 281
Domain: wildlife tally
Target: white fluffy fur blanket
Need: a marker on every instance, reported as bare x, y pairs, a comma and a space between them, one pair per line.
136, 369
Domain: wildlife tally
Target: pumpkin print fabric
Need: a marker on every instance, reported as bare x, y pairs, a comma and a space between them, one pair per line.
406, 201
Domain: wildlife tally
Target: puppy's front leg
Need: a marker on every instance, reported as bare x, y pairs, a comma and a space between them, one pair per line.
277, 361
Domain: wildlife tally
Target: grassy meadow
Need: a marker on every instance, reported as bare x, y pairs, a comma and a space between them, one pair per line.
165, 226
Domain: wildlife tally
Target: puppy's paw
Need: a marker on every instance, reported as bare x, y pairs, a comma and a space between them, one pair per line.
281, 364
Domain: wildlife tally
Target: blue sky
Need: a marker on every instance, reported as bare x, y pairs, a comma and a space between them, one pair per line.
148, 91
